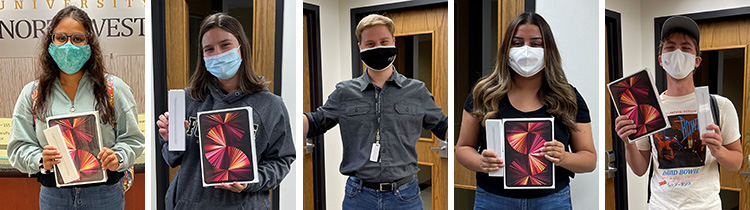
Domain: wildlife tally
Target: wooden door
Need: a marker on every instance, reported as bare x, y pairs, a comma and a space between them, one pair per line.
264, 39
431, 26
609, 183
506, 11
307, 160
723, 35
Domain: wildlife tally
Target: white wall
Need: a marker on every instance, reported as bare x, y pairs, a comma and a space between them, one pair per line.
288, 188
579, 49
637, 18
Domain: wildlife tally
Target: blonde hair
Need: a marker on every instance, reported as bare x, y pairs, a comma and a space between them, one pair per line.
556, 93
374, 20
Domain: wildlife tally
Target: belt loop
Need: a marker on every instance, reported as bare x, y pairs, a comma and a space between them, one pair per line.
359, 184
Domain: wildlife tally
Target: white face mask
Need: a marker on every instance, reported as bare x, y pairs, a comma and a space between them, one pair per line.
677, 63
526, 61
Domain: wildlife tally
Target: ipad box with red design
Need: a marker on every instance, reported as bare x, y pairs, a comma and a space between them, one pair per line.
227, 144
525, 164
635, 96
82, 135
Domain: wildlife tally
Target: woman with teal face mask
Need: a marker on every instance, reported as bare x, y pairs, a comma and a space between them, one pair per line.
224, 78
72, 79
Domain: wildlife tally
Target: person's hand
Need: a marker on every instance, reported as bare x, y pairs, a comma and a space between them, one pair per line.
163, 124
234, 187
624, 128
713, 140
554, 151
489, 162
50, 157
109, 159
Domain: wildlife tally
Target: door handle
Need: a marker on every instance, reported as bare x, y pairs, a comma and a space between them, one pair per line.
610, 164
442, 148
308, 146
747, 173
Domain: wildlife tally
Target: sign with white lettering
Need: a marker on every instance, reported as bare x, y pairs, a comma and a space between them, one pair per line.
119, 24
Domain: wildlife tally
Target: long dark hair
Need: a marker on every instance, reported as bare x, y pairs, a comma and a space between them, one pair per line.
49, 71
555, 92
249, 82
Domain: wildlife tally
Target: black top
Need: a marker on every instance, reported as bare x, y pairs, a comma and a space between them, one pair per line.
495, 185
397, 113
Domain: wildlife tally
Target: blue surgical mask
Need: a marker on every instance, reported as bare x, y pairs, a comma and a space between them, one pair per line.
224, 65
68, 57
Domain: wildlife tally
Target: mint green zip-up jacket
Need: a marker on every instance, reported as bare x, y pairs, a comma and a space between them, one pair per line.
27, 139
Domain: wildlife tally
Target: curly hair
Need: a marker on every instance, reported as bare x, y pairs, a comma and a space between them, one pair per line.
49, 71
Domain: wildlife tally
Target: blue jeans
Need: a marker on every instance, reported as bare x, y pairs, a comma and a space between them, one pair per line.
555, 201
109, 197
358, 197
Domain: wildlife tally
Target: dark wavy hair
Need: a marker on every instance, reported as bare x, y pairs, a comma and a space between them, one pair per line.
49, 71
556, 93
249, 82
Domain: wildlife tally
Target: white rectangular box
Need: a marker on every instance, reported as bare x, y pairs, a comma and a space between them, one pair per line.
703, 103
495, 140
66, 167
176, 120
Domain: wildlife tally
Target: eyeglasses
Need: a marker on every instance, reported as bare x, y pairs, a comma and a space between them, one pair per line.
77, 39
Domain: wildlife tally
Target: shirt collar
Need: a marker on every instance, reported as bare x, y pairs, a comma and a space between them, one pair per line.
396, 78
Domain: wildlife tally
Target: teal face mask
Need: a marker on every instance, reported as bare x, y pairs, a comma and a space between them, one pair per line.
69, 58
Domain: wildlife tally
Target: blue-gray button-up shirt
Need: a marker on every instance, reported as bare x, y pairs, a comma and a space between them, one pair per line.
394, 114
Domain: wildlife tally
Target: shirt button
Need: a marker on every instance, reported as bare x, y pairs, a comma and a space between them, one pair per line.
237, 93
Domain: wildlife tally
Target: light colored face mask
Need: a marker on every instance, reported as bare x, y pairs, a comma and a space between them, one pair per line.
678, 64
224, 65
526, 61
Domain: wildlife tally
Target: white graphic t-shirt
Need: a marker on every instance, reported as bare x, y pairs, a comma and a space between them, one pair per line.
685, 174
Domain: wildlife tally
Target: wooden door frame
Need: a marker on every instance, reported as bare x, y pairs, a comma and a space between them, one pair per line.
356, 14
159, 73
159, 62
613, 25
661, 79
485, 61
312, 12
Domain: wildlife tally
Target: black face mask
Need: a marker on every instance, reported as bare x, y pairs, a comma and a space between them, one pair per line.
378, 58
